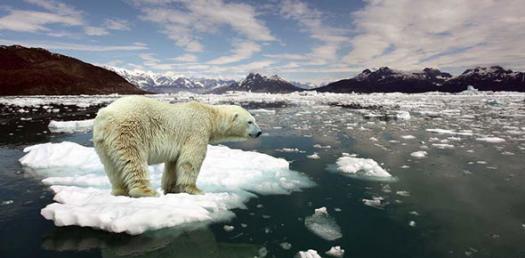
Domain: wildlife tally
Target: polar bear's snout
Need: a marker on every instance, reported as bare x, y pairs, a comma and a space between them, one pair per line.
255, 130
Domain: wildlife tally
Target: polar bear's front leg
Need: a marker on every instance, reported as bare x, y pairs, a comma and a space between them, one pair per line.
169, 178
188, 167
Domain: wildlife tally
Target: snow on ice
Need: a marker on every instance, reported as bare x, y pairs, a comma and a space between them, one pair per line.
229, 177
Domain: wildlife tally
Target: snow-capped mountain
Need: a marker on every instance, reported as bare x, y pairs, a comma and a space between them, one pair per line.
169, 82
255, 82
493, 78
385, 79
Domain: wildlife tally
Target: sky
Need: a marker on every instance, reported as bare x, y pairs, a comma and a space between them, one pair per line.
300, 40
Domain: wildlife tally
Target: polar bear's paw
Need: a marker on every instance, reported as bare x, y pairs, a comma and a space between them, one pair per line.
142, 192
191, 189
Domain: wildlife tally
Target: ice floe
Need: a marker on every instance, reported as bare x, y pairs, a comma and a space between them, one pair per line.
419, 154
361, 167
491, 139
229, 177
70, 126
336, 251
310, 253
323, 225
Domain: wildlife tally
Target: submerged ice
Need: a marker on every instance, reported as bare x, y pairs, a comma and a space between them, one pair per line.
229, 177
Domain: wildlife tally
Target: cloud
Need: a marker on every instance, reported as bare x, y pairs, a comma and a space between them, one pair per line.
186, 58
184, 20
241, 51
116, 24
311, 21
71, 46
34, 21
411, 34
95, 31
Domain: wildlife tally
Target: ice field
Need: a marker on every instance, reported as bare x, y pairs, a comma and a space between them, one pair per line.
353, 175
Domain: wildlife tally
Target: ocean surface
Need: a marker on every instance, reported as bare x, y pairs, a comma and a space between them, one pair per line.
457, 166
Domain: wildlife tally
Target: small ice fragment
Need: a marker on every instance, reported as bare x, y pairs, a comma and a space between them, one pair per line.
419, 154
313, 156
286, 245
412, 223
403, 115
361, 167
408, 137
323, 225
290, 150
308, 254
403, 193
336, 251
491, 139
443, 146
319, 146
373, 139
262, 252
7, 202
228, 228
415, 213
70, 126
375, 202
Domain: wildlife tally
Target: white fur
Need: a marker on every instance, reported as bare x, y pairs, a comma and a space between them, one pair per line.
136, 131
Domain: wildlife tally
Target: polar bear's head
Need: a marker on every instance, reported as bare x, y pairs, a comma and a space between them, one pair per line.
236, 124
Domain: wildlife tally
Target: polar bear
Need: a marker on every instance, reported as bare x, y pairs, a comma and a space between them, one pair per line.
134, 132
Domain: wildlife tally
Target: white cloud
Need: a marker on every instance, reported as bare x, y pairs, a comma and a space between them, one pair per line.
187, 58
412, 34
184, 20
95, 31
71, 46
241, 51
34, 21
311, 20
116, 24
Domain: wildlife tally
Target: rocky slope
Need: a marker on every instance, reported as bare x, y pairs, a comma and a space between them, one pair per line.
36, 71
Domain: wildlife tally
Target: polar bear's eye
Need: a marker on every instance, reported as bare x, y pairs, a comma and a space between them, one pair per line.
250, 122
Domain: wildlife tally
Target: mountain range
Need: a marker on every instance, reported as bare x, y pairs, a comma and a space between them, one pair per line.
493, 78
36, 71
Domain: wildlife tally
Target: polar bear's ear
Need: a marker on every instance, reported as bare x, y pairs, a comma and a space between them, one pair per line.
235, 116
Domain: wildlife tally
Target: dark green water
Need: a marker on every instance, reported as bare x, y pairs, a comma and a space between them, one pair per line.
468, 200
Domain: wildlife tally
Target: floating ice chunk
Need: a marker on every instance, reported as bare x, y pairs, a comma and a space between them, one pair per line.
6, 202
412, 223
361, 167
403, 193
408, 137
443, 146
290, 150
323, 225
228, 228
313, 156
376, 202
310, 253
229, 177
262, 111
336, 251
419, 154
491, 139
70, 126
403, 115
286, 245
450, 132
